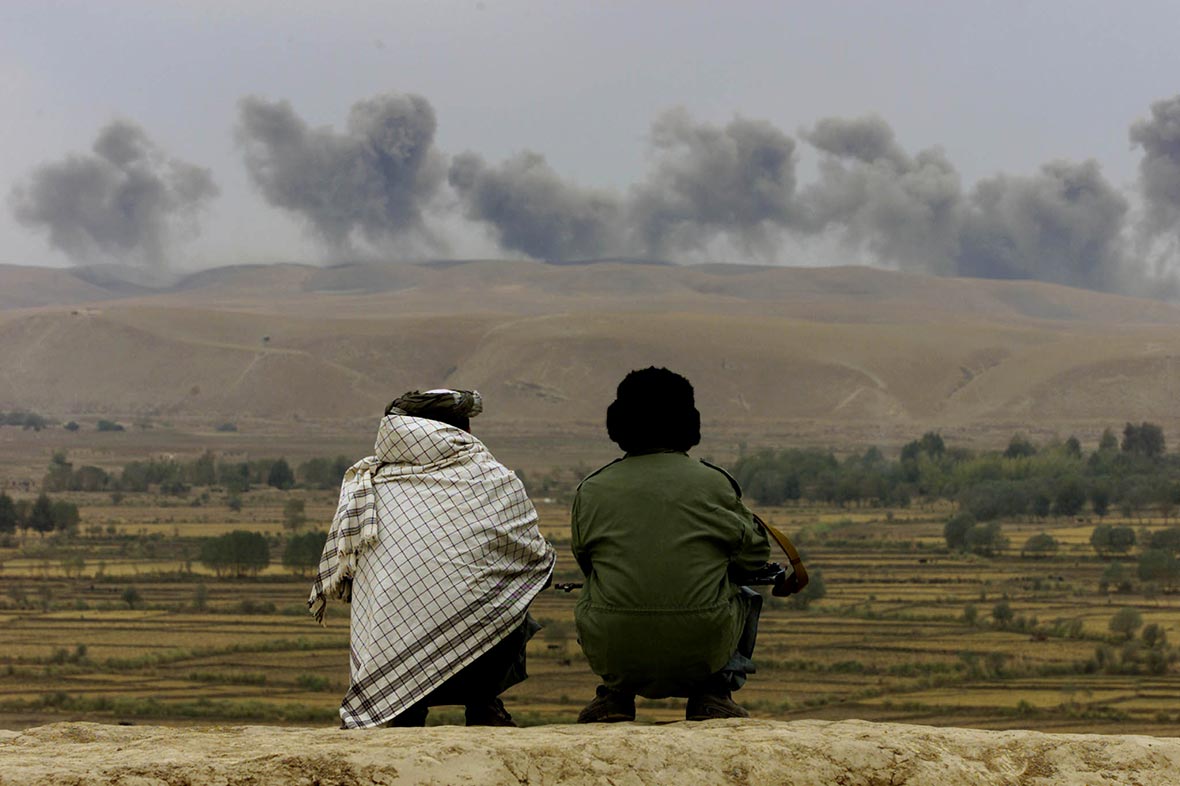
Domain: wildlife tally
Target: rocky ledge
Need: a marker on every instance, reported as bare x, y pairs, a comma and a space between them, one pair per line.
757, 752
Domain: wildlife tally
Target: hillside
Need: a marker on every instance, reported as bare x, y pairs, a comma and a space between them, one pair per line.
770, 350
853, 753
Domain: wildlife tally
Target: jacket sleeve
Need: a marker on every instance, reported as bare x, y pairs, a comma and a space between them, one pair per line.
752, 546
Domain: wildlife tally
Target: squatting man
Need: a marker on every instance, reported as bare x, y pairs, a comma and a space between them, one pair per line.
436, 546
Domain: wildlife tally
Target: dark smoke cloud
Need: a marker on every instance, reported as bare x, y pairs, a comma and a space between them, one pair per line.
1063, 224
707, 181
1159, 170
532, 210
901, 209
374, 178
125, 203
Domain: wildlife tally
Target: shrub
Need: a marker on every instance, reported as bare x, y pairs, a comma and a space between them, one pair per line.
1126, 621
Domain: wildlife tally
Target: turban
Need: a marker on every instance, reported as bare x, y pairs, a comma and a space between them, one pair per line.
435, 403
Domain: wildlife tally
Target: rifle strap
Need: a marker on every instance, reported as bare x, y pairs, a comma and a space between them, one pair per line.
788, 548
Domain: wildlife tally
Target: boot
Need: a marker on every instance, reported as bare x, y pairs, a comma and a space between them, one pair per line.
710, 706
487, 713
411, 717
608, 706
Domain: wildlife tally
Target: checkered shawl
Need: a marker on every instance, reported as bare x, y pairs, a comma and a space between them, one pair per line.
436, 545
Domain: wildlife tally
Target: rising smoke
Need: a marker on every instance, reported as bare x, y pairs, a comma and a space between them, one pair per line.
533, 211
903, 210
1063, 224
733, 187
737, 181
373, 179
126, 202
1066, 223
1159, 171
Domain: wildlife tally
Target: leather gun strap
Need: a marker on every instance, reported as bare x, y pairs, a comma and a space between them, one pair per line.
788, 548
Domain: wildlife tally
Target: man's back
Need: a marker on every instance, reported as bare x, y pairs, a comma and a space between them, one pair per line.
660, 530
656, 535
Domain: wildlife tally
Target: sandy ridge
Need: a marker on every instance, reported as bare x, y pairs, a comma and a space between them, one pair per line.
851, 753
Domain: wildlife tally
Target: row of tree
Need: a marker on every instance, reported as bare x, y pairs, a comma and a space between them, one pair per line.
242, 553
1058, 479
170, 476
25, 420
41, 515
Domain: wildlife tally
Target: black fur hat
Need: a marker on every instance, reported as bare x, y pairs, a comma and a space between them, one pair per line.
654, 409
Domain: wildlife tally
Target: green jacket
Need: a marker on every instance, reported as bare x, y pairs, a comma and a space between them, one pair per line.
656, 535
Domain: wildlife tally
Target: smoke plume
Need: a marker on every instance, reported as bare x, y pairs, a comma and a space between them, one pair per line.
532, 210
126, 202
901, 209
373, 179
706, 181
1062, 225
1159, 170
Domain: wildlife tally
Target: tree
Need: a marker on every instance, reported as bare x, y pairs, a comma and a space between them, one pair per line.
238, 553
1166, 540
1073, 448
1070, 497
302, 554
1100, 539
1040, 545
131, 596
234, 476
1153, 635
204, 470
955, 530
1159, 567
1146, 439
59, 475
1122, 538
8, 517
985, 539
1108, 442
1002, 613
65, 516
1116, 576
1126, 621
41, 515
280, 475
1019, 447
1100, 500
293, 514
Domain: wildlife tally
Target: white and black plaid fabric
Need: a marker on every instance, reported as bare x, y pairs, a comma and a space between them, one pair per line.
436, 544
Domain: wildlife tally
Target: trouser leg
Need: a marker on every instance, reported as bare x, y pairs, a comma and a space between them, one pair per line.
732, 675
490, 674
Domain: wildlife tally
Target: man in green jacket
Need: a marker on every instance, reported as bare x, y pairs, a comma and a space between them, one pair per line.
663, 540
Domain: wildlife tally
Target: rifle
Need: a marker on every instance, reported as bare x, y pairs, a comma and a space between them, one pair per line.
768, 574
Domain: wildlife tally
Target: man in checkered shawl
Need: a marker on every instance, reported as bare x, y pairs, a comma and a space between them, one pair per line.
436, 546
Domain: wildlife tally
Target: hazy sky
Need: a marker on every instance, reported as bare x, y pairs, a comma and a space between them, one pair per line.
1000, 86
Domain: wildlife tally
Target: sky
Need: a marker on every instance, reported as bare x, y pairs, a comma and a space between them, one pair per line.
578, 129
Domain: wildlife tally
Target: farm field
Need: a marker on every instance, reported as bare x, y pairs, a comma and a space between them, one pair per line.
907, 631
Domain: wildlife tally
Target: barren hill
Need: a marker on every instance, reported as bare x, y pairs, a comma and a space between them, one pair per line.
854, 753
770, 350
